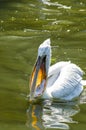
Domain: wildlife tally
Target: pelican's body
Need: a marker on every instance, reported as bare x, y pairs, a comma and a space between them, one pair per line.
64, 81
61, 81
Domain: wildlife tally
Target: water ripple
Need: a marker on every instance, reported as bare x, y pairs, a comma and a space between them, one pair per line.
47, 2
51, 115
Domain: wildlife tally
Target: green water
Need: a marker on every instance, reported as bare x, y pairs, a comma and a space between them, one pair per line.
24, 25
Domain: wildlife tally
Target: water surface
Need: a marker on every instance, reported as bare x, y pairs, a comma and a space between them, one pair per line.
24, 25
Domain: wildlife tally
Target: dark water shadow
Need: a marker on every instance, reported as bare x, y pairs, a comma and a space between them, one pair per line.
7, 3
51, 115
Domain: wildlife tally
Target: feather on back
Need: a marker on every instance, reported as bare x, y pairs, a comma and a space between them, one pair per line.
67, 84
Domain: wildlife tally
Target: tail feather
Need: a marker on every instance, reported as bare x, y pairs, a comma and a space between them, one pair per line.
83, 82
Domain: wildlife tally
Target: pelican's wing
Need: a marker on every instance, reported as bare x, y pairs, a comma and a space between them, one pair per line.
54, 72
68, 84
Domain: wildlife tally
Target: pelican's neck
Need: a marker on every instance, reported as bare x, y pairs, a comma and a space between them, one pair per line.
48, 61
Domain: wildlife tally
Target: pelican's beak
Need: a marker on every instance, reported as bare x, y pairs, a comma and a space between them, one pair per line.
38, 78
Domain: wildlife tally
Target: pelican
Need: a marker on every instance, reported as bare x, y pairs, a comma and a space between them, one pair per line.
61, 81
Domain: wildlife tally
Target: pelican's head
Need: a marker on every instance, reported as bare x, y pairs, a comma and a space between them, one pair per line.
40, 70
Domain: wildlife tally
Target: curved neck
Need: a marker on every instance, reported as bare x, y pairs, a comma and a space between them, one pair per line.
48, 61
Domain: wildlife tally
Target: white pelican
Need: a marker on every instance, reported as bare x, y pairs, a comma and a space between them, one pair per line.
61, 81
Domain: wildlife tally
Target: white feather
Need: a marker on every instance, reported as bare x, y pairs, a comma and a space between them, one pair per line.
64, 81
83, 82
64, 78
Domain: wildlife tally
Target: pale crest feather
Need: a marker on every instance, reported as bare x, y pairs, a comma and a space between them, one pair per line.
45, 43
45, 48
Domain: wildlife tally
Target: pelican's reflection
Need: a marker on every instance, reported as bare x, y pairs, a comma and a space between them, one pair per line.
34, 114
51, 115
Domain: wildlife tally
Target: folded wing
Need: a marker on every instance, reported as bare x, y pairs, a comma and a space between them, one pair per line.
66, 84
